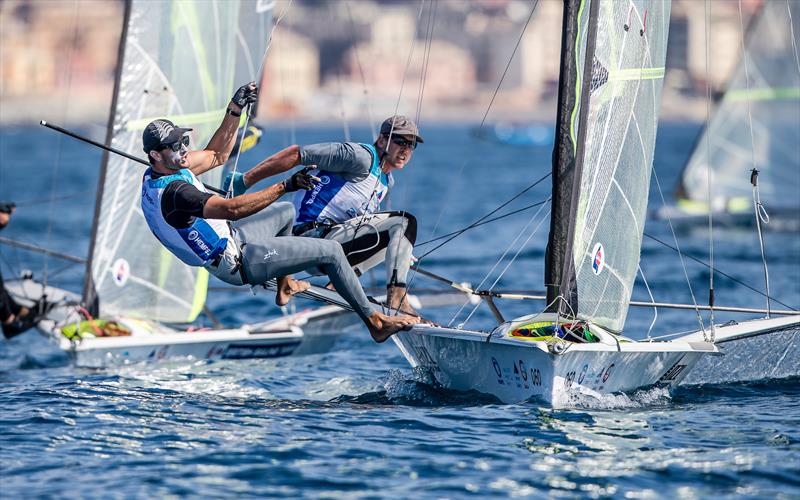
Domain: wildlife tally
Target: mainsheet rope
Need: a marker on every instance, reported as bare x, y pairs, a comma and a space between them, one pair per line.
248, 111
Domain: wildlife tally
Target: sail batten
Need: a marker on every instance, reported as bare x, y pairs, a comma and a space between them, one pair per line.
622, 73
182, 60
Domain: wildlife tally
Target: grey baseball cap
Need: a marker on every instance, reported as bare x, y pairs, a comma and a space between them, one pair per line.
160, 132
403, 125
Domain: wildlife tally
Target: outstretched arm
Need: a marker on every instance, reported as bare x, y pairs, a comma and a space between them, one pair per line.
240, 207
345, 157
280, 162
219, 148
243, 205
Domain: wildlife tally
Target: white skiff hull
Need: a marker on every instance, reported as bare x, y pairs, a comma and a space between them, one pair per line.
515, 370
753, 351
306, 332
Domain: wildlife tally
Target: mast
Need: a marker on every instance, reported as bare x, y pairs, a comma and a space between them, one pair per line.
559, 268
89, 297
610, 93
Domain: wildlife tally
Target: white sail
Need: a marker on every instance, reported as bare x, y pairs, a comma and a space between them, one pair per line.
616, 140
725, 150
182, 60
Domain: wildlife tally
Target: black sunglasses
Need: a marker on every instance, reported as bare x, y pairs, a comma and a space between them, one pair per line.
403, 142
176, 146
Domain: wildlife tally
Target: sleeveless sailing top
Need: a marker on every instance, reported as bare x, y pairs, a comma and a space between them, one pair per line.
336, 200
197, 245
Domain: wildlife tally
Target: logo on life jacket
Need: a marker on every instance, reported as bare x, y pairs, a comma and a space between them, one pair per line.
323, 180
195, 238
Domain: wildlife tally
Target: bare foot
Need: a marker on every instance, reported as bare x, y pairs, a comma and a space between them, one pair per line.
287, 287
381, 326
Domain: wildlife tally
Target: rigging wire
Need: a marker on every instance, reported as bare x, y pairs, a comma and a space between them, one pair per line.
51, 199
708, 179
250, 106
56, 166
721, 273
391, 130
426, 55
511, 261
464, 163
652, 299
794, 43
508, 65
461, 231
680, 254
357, 53
481, 220
754, 175
342, 110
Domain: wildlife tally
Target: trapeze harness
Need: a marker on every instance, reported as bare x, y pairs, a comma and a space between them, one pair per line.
335, 199
206, 242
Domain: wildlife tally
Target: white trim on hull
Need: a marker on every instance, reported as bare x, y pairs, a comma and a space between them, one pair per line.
515, 370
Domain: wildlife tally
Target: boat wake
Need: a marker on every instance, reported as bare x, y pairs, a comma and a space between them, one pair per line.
590, 400
404, 389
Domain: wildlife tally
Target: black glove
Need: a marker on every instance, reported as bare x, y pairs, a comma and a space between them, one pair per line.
247, 94
300, 180
7, 207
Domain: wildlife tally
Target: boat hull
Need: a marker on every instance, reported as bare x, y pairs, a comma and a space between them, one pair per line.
516, 370
306, 332
753, 351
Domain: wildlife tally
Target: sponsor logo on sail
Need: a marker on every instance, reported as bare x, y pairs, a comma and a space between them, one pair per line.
598, 258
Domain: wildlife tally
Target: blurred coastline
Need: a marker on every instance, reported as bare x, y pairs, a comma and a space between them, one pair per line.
345, 60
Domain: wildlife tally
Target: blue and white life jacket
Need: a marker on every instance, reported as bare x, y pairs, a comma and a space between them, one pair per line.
197, 245
336, 200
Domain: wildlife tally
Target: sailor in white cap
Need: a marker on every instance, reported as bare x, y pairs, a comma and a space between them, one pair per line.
344, 206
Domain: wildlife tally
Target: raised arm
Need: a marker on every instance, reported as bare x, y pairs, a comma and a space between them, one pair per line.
219, 148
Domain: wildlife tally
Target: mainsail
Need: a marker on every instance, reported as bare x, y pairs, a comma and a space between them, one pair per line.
611, 79
181, 60
769, 90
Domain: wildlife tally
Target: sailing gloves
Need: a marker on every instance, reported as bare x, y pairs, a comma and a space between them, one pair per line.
238, 187
300, 180
247, 94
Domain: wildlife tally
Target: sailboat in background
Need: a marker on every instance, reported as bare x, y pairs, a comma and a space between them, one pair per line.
178, 60
766, 87
612, 68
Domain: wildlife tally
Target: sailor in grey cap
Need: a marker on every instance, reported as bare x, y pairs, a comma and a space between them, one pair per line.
344, 206
246, 239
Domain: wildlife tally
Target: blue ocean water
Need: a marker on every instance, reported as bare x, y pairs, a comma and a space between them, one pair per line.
357, 422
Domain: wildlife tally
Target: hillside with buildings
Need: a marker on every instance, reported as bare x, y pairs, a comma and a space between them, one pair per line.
356, 59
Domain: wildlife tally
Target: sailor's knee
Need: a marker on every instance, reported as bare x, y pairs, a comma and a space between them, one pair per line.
332, 251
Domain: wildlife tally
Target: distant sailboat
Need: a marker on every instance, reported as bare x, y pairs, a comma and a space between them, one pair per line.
766, 88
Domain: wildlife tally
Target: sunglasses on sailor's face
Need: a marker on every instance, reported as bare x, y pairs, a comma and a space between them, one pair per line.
403, 142
176, 146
